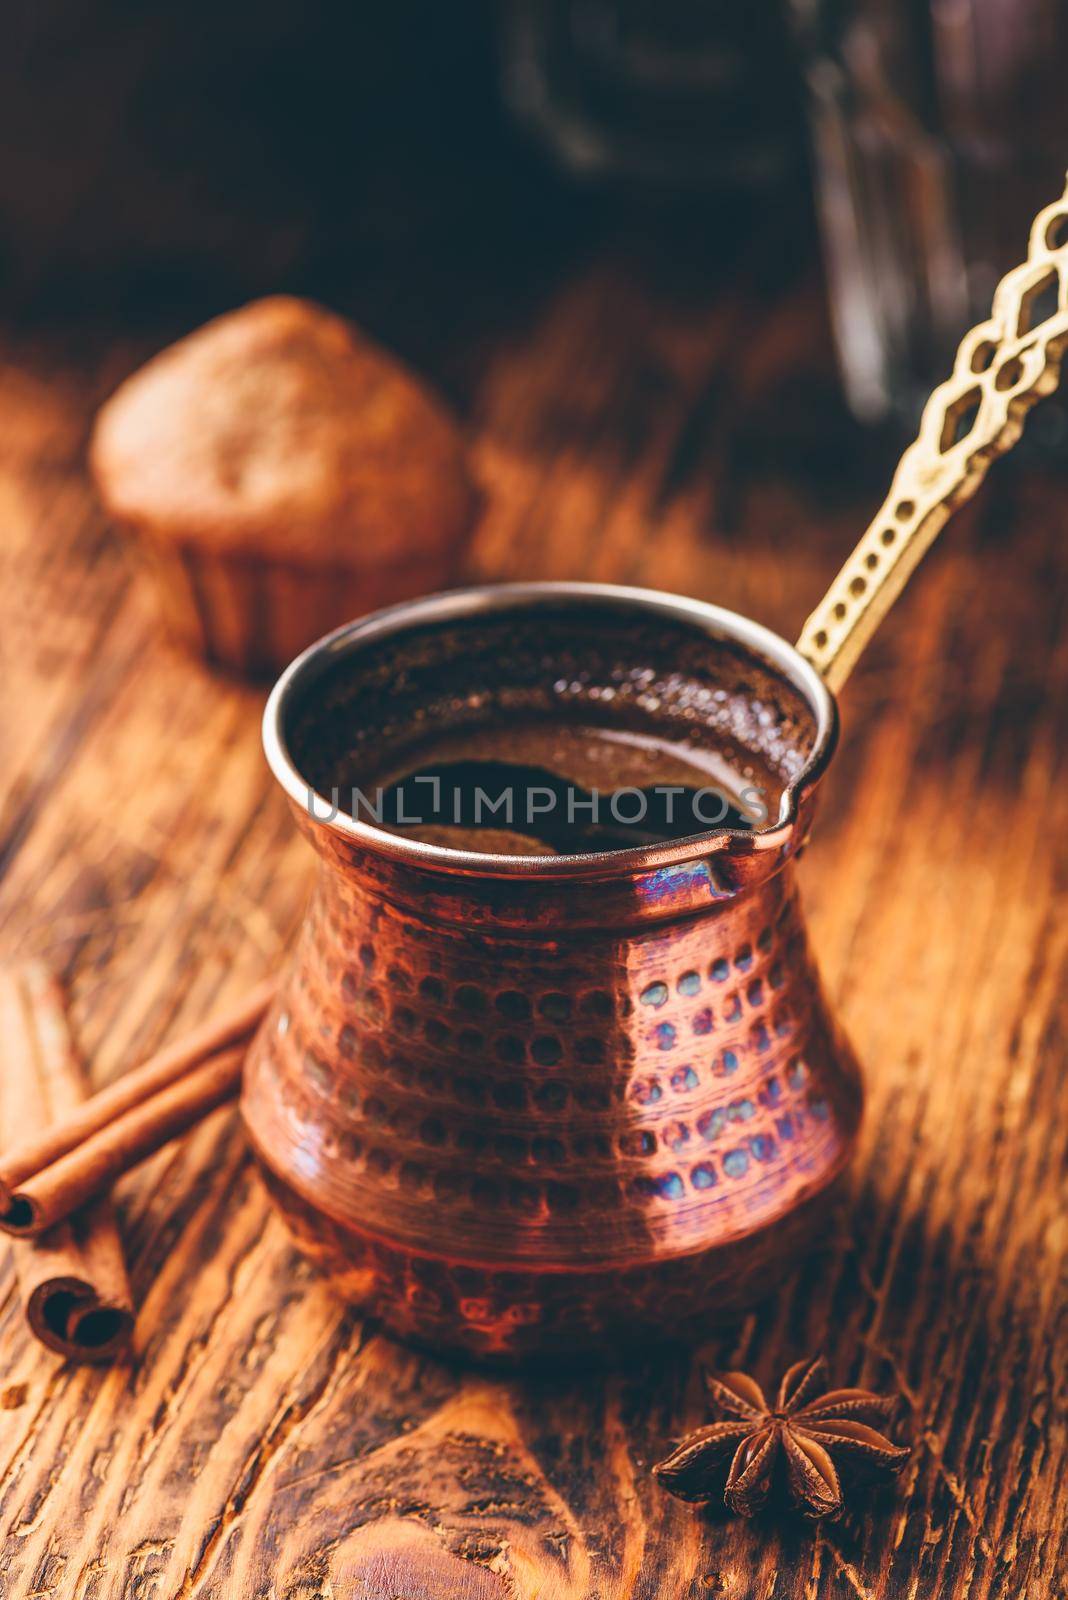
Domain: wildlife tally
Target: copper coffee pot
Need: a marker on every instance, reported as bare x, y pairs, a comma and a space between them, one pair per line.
516, 1104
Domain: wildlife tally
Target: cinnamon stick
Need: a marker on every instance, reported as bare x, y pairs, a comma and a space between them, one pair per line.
46, 1146
72, 1279
91, 1167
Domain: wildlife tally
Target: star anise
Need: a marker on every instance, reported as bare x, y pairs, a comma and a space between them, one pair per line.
820, 1437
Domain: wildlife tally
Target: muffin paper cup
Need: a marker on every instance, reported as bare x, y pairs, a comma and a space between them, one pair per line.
252, 616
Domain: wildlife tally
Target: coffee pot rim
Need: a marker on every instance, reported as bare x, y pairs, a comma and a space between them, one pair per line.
484, 600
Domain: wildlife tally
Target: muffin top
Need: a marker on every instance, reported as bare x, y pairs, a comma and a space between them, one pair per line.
281, 430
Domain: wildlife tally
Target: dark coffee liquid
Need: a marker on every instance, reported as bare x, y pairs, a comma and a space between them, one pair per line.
540, 788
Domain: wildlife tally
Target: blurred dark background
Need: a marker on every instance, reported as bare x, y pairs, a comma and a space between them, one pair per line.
400, 161
431, 168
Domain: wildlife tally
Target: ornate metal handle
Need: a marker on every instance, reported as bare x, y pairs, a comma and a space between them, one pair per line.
1002, 367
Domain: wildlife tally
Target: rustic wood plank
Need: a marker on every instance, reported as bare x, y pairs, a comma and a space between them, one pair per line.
264, 1441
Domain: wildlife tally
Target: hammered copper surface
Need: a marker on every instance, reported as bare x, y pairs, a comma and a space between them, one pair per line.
515, 1113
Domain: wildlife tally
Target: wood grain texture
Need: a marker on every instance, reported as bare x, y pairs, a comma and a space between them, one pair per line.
263, 1442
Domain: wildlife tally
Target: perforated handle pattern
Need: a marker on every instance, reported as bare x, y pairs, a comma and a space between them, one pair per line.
1002, 367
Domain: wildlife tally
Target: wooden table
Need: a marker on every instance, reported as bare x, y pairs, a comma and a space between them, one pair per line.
632, 421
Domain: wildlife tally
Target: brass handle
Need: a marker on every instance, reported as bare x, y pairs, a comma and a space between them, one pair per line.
1002, 367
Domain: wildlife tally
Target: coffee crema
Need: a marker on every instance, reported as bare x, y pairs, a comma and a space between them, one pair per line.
551, 787
569, 731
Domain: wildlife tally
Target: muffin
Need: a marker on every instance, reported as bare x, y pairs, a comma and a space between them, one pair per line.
282, 474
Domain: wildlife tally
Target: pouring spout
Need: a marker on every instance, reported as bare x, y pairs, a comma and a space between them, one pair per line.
1003, 366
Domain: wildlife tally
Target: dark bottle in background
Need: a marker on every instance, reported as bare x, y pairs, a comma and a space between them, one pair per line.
677, 94
939, 128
